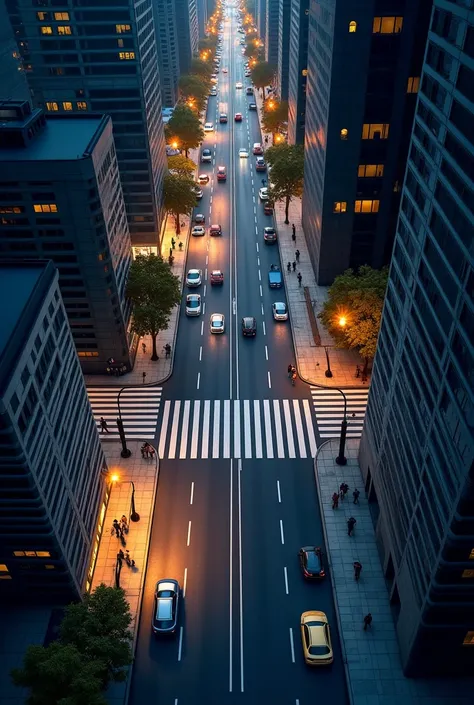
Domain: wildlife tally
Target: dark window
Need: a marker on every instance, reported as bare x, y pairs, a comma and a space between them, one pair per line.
465, 82
462, 119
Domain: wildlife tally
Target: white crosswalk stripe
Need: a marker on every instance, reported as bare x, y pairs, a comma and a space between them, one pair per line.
234, 429
329, 410
139, 408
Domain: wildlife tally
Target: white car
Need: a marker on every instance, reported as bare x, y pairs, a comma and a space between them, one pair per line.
280, 311
217, 323
209, 127
263, 194
198, 231
224, 70
213, 91
193, 305
194, 277
243, 153
239, 85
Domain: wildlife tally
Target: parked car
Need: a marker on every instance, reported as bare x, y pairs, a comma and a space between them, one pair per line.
252, 106
280, 311
268, 208
208, 127
197, 192
260, 164
316, 639
199, 218
275, 280
257, 148
269, 234
203, 178
311, 562
194, 277
206, 155
198, 231
249, 90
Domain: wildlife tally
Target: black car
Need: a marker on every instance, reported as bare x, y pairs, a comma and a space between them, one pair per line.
165, 607
311, 561
252, 106
249, 326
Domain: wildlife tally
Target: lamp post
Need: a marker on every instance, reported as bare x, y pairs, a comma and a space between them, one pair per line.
125, 452
341, 458
328, 372
134, 515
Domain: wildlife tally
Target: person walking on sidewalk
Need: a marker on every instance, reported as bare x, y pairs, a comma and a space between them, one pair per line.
367, 621
103, 425
144, 347
294, 265
297, 255
356, 494
357, 570
300, 278
116, 527
288, 266
293, 232
343, 489
335, 501
351, 522
173, 243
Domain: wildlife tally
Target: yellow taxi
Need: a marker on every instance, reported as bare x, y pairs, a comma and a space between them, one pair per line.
316, 639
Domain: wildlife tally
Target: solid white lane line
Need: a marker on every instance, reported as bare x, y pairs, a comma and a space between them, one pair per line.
192, 493
180, 647
215, 436
269, 380
278, 428
248, 438
184, 428
236, 428
174, 430
268, 428
164, 429
185, 581
226, 449
195, 433
282, 535
286, 581
231, 523
266, 349
241, 593
257, 428
198, 380
278, 491
189, 533
200, 353
292, 646
205, 429
264, 328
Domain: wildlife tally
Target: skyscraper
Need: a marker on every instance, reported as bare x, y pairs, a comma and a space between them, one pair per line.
261, 17
101, 57
52, 468
271, 31
417, 448
201, 6
14, 85
168, 53
61, 199
297, 70
364, 65
188, 33
283, 43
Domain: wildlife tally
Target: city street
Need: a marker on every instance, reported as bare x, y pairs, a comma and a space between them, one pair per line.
236, 497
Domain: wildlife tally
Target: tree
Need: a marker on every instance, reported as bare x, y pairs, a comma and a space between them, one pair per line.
185, 128
208, 44
202, 68
275, 115
178, 196
262, 75
194, 89
154, 291
181, 165
353, 310
287, 163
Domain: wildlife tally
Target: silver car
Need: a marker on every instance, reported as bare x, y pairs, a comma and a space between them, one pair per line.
280, 311
217, 323
193, 305
194, 277
165, 607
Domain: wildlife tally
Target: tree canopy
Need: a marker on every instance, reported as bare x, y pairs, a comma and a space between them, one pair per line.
194, 89
353, 310
287, 163
154, 291
202, 68
184, 128
178, 196
262, 74
275, 115
208, 43
181, 165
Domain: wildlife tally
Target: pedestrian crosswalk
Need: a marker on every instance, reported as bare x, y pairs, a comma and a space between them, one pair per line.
329, 410
236, 429
139, 407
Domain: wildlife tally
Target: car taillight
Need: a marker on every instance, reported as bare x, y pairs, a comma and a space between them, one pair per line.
322, 573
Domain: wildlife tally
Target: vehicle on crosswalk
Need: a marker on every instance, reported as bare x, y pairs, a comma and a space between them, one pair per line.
193, 305
275, 280
198, 231
217, 276
221, 173
249, 326
165, 607
316, 639
311, 562
215, 230
269, 235
199, 218
217, 323
280, 311
194, 277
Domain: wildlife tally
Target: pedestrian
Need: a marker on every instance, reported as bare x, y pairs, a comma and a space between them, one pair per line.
367, 621
171, 252
144, 450
357, 371
351, 522
173, 243
116, 526
335, 501
167, 350
103, 425
293, 231
124, 523
170, 260
180, 246
343, 489
144, 347
300, 278
357, 569
288, 266
144, 377
297, 255
266, 139
294, 265
263, 182
151, 450
120, 531
356, 494
120, 555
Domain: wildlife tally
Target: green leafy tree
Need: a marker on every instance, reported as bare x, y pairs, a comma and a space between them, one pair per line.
353, 310
181, 165
201, 68
194, 89
208, 43
154, 291
287, 163
262, 75
275, 116
184, 128
178, 196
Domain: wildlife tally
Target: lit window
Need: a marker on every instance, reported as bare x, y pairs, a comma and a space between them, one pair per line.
42, 16
64, 29
366, 206
67, 106
61, 16
81, 105
3, 568
126, 55
120, 43
52, 107
43, 554
18, 553
304, 72
45, 208
413, 84
467, 574
344, 133
339, 207
11, 209
376, 130
46, 30
88, 354
352, 27
122, 28
468, 639
33, 554
370, 170
387, 25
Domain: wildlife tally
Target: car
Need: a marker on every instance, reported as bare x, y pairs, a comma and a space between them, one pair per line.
224, 70
217, 277
198, 231
269, 234
252, 106
311, 562
223, 117
193, 305
263, 193
199, 218
215, 229
267, 208
280, 311
194, 277
316, 639
217, 323
206, 156
275, 280
243, 153
249, 90
249, 326
197, 192
208, 127
260, 164
203, 178
213, 91
213, 75
221, 173
165, 606
257, 148
247, 74
242, 42
239, 85
238, 117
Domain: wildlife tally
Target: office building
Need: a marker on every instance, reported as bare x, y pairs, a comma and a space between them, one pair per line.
271, 31
61, 199
417, 448
261, 17
14, 85
201, 6
283, 46
53, 494
188, 33
368, 57
168, 54
297, 70
99, 57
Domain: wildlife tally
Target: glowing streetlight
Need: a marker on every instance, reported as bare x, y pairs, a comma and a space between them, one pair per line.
174, 145
271, 105
342, 321
114, 478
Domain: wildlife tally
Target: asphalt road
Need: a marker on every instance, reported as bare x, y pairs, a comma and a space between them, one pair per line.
229, 527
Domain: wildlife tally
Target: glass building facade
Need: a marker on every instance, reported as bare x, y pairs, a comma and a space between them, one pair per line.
297, 70
283, 53
168, 54
417, 448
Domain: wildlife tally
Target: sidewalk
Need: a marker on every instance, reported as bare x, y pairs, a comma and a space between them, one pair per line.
310, 358
371, 659
144, 474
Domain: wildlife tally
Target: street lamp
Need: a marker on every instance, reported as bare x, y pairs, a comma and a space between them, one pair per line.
125, 452
341, 458
174, 145
134, 515
328, 372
